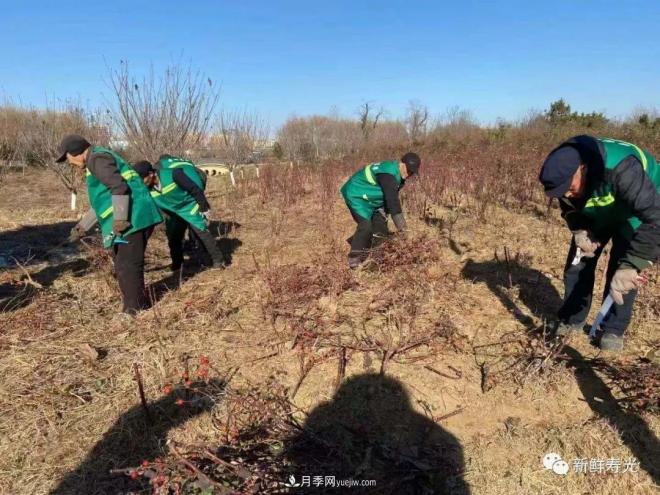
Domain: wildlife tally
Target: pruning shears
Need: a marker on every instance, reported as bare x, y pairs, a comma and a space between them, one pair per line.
578, 256
602, 313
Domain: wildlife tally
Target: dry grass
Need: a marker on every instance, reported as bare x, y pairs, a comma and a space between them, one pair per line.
296, 342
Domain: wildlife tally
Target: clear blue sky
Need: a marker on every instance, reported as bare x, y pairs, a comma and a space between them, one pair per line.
497, 59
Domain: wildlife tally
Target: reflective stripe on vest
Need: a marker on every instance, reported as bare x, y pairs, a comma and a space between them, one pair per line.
609, 198
643, 159
194, 209
645, 162
600, 201
106, 213
129, 174
169, 188
179, 164
369, 175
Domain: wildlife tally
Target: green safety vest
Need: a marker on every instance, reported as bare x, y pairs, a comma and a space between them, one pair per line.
606, 213
143, 211
362, 192
172, 198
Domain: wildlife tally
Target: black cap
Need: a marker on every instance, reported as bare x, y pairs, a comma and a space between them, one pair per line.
74, 144
558, 170
143, 168
412, 162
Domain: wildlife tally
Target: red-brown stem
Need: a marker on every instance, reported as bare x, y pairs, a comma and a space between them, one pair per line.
138, 379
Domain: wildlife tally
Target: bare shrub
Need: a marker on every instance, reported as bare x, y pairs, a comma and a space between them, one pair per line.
638, 382
317, 138
293, 287
241, 133
390, 139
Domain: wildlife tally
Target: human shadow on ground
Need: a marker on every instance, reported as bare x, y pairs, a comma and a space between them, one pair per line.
31, 244
23, 248
220, 230
133, 439
20, 293
369, 431
228, 245
539, 295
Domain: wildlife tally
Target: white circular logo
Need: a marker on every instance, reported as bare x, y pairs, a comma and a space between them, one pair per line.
549, 459
560, 467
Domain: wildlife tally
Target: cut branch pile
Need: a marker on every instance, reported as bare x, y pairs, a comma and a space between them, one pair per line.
405, 252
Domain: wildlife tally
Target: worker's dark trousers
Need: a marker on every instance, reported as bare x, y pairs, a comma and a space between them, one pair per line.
369, 233
176, 231
579, 285
129, 269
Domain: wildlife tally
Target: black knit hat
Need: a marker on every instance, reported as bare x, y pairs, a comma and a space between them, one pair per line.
412, 162
143, 168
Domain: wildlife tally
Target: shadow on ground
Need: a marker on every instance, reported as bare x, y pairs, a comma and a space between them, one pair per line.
539, 295
131, 440
31, 245
220, 230
20, 293
228, 245
197, 260
369, 431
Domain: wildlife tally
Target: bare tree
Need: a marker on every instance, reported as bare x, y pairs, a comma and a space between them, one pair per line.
40, 131
368, 121
242, 133
162, 113
416, 121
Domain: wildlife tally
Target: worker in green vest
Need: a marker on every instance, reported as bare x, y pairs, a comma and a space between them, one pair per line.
607, 190
177, 187
372, 193
123, 208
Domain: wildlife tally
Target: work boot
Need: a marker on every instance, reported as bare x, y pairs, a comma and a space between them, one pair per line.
611, 342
